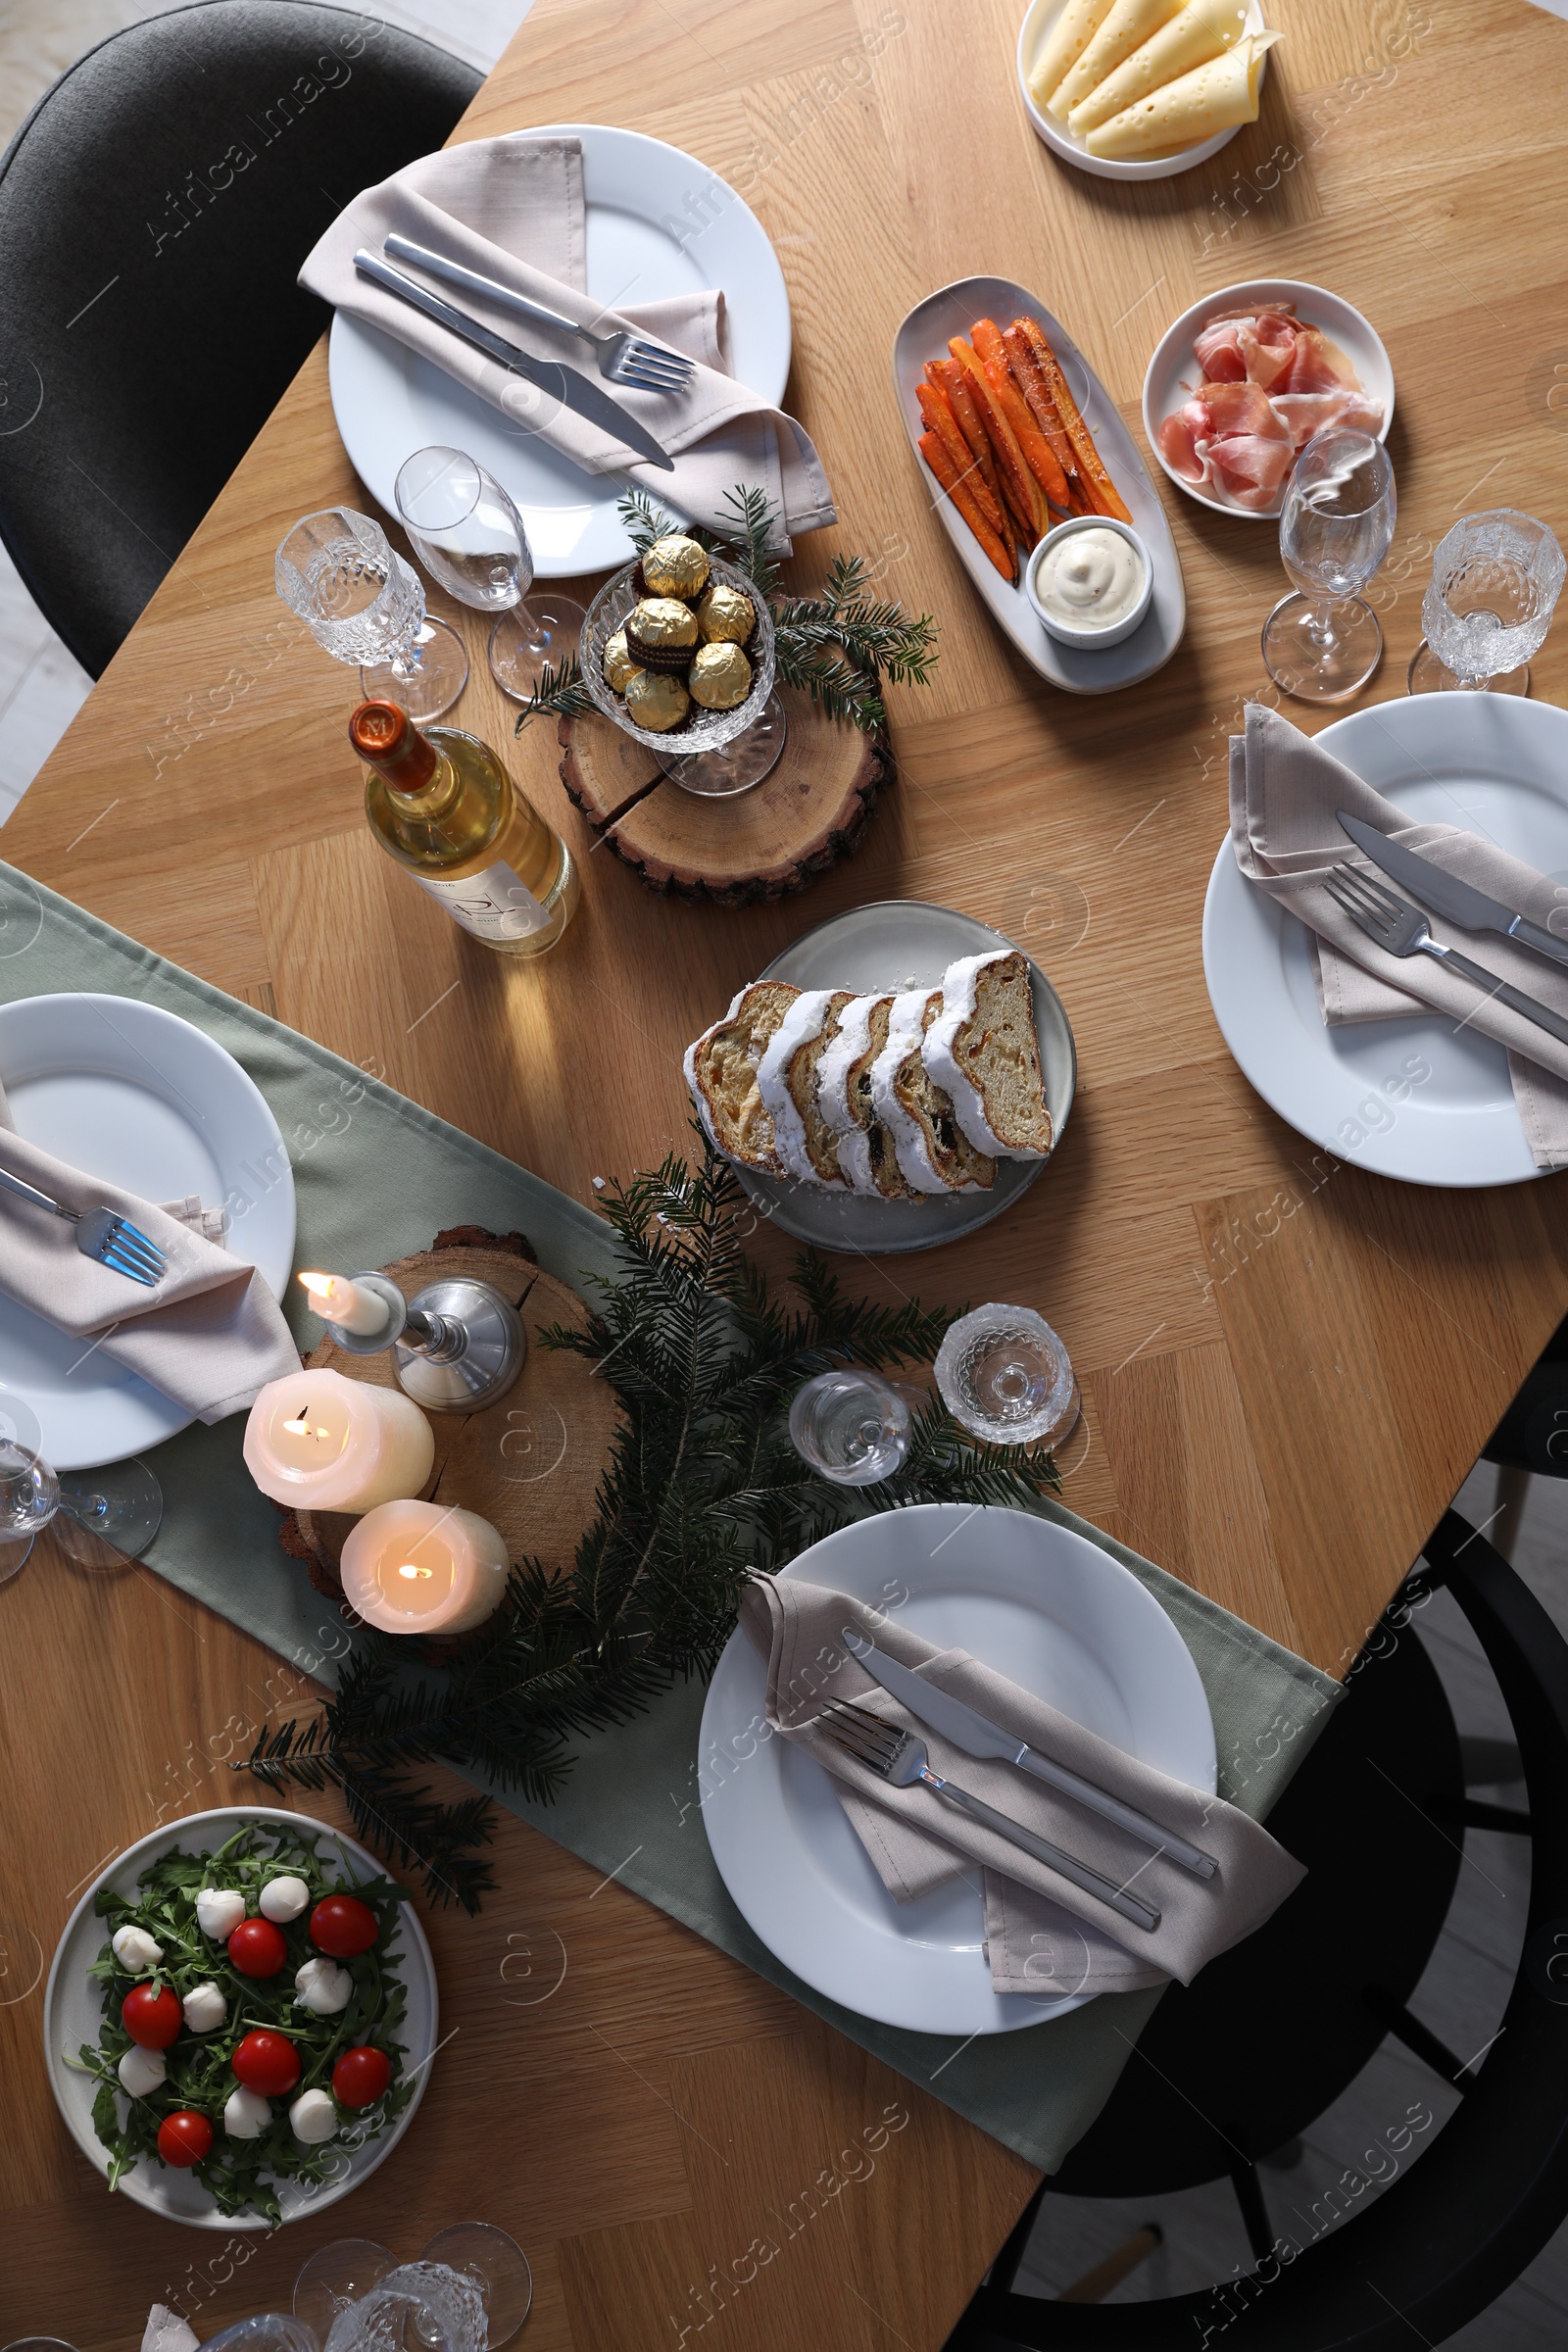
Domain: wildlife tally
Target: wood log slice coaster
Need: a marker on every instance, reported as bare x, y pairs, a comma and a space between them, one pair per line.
763, 843
530, 1463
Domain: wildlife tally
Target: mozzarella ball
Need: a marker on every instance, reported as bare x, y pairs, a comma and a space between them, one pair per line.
135, 1949
284, 1898
324, 1988
141, 2070
312, 2118
219, 1912
246, 2113
205, 2007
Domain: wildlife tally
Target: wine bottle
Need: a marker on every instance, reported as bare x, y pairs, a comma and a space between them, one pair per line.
444, 807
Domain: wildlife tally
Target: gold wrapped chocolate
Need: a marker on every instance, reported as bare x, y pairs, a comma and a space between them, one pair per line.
619, 664
661, 633
655, 702
726, 616
675, 565
721, 677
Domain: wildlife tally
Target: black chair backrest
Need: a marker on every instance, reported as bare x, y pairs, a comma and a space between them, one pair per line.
155, 209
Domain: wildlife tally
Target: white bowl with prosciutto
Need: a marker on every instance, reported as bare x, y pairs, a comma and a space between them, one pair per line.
1241, 382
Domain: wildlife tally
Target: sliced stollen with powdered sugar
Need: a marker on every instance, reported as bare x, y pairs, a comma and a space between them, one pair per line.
721, 1069
934, 1153
983, 1052
866, 1151
801, 1026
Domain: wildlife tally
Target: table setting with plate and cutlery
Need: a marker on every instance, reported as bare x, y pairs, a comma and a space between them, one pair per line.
741, 1478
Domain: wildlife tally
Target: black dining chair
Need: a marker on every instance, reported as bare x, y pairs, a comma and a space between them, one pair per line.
155, 207
1238, 2062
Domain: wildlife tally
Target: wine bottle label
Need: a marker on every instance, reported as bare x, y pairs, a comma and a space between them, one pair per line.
494, 905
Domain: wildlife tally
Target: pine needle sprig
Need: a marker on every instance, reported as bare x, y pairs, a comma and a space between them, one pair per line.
558, 693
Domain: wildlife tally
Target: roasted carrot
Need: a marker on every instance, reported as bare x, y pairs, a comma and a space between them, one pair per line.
1091, 465
1032, 384
950, 378
940, 420
1039, 455
1024, 494
936, 453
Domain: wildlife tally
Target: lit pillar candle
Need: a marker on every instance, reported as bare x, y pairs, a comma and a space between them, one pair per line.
424, 1568
325, 1443
338, 1300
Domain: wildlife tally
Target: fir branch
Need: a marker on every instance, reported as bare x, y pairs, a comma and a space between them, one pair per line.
558, 693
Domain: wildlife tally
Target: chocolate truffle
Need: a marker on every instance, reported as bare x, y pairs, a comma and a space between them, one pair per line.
655, 702
675, 565
721, 677
725, 617
661, 633
619, 664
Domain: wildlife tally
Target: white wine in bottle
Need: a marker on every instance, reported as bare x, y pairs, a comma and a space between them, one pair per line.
445, 808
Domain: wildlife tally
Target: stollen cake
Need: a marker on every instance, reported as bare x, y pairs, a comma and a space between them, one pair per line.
821, 1141
982, 1052
866, 1151
934, 1153
794, 1037
722, 1071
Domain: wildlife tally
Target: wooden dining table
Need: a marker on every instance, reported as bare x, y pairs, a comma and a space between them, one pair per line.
1287, 1365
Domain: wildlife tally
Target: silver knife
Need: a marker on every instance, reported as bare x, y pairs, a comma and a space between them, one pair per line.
1458, 902
565, 384
976, 1736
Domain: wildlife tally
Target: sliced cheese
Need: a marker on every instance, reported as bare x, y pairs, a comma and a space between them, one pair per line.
1070, 35
1211, 98
1204, 30
1126, 29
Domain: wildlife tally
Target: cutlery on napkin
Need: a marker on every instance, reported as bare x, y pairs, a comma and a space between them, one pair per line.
208, 1334
513, 208
1045, 1936
1285, 793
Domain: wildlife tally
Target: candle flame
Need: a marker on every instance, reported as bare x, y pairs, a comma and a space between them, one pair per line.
409, 1569
302, 1427
319, 1286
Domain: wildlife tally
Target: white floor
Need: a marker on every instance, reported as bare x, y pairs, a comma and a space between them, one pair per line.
41, 686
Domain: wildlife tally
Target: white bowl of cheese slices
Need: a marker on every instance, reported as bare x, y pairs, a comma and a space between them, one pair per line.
1141, 90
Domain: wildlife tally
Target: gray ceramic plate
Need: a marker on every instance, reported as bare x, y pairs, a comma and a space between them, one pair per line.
893, 944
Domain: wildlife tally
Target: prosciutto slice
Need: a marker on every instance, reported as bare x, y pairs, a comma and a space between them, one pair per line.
1269, 384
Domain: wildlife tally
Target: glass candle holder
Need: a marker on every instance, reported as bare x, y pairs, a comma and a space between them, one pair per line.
715, 753
1005, 1377
1495, 580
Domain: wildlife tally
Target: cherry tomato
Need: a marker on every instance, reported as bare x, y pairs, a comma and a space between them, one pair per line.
185, 2138
152, 2019
343, 1925
257, 1948
266, 2062
361, 2076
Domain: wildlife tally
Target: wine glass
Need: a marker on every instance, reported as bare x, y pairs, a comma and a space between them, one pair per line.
1005, 1376
1337, 524
470, 536
267, 2332
421, 2302
851, 1426
715, 753
336, 2275
496, 2265
100, 1517
1495, 578
362, 603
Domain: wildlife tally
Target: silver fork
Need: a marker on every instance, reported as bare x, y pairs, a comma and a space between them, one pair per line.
112, 1240
624, 359
899, 1757
1403, 930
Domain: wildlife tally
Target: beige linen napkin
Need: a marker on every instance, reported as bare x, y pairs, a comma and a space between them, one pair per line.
1043, 1937
513, 208
210, 1333
1285, 790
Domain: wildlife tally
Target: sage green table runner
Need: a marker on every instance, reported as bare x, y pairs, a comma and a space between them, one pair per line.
375, 1177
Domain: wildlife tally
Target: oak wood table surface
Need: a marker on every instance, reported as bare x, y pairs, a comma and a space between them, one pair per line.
1287, 1365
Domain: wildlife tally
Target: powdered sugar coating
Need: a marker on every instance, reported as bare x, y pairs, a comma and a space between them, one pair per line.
960, 993
839, 1058
802, 1022
905, 1029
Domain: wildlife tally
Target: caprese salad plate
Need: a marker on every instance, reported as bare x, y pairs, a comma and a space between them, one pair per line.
239, 2018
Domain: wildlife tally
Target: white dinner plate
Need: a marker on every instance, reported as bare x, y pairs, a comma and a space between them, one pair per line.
73, 2012
658, 224
899, 943
1025, 1596
953, 311
1039, 17
1414, 1099
129, 1092
1173, 374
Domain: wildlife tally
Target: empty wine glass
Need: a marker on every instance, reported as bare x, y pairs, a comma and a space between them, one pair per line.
267, 2332
362, 603
336, 2275
100, 1517
419, 2302
1337, 525
851, 1426
496, 2265
1005, 1376
470, 536
1495, 578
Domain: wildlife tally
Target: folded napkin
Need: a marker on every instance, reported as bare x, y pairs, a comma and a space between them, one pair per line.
1285, 790
1044, 1936
166, 2331
513, 208
210, 1333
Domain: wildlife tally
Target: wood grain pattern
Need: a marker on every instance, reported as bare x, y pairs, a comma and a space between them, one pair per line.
1287, 1365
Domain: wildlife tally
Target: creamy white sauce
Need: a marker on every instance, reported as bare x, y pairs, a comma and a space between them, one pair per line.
1091, 579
